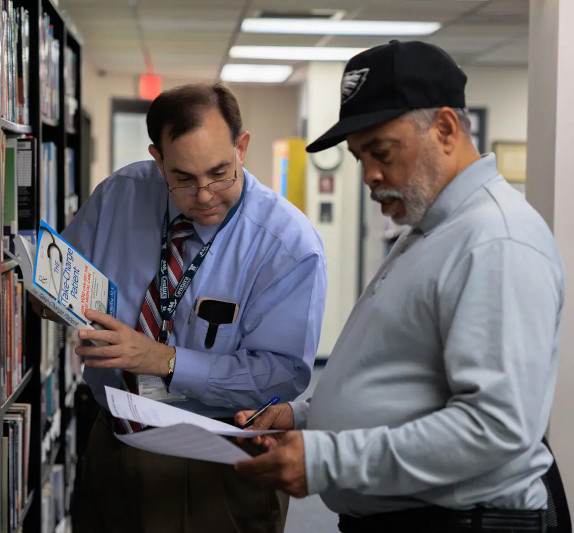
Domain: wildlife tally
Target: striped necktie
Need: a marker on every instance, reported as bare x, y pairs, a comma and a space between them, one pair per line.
149, 321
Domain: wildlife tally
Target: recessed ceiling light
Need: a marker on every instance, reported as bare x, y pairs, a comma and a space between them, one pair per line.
255, 73
337, 27
294, 53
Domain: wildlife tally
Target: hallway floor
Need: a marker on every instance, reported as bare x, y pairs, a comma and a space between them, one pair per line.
309, 515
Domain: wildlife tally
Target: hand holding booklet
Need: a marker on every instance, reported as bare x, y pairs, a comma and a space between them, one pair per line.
63, 279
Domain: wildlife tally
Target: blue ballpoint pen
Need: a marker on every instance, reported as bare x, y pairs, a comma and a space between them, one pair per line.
271, 401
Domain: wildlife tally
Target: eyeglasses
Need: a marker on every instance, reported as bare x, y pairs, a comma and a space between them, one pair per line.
214, 186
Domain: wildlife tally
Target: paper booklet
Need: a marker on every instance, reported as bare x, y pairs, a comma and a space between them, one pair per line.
176, 431
63, 279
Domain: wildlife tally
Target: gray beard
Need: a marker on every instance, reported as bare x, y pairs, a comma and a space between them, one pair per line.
419, 192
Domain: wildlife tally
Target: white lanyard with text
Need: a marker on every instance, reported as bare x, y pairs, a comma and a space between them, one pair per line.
168, 304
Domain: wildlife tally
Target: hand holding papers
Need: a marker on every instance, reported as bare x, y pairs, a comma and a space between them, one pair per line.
177, 432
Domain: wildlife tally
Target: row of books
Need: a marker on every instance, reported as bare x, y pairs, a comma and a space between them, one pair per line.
49, 184
49, 70
17, 169
12, 362
14, 465
71, 77
52, 343
70, 195
53, 500
14, 63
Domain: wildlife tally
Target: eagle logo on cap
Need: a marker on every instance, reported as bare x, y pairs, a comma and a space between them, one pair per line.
351, 83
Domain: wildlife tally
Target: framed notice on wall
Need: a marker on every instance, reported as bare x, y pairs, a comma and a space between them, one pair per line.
511, 160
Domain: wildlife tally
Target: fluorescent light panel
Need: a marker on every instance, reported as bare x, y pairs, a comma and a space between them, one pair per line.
337, 27
255, 73
294, 53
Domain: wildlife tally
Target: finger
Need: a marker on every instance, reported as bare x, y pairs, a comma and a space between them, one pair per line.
242, 416
257, 439
95, 361
108, 321
114, 351
269, 441
100, 335
264, 420
258, 466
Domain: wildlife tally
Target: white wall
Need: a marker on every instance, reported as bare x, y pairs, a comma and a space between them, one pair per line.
268, 113
340, 237
550, 163
504, 92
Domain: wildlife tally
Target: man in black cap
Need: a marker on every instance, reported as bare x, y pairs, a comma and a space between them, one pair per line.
430, 413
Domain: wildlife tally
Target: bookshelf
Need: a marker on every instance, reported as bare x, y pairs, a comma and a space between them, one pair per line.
40, 168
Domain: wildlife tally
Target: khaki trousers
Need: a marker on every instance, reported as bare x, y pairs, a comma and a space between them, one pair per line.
127, 490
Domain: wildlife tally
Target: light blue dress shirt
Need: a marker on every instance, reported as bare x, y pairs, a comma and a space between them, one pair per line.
439, 388
269, 260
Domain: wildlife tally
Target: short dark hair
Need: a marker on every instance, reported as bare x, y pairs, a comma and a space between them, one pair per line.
182, 109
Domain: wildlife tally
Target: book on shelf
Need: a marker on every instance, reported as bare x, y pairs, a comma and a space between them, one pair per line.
4, 504
10, 194
11, 322
70, 196
27, 185
49, 183
23, 412
14, 62
63, 279
16, 423
2, 185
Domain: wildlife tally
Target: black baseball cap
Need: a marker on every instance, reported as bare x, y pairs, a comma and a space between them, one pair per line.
384, 82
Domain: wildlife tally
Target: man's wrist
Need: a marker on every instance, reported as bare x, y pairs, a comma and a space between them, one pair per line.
170, 365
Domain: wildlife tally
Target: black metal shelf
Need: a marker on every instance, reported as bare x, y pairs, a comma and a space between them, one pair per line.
15, 395
12, 127
25, 510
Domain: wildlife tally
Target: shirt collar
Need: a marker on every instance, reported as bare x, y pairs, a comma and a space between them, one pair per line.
458, 190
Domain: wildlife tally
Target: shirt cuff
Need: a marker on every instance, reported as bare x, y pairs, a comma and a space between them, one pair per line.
191, 373
320, 450
300, 411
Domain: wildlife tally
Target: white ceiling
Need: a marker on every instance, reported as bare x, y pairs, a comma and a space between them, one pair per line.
190, 39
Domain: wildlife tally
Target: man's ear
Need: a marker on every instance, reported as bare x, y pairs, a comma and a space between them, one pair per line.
447, 128
154, 152
242, 143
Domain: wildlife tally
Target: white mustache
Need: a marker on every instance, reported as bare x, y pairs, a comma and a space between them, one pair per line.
382, 195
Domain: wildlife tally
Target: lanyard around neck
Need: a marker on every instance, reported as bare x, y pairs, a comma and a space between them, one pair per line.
168, 304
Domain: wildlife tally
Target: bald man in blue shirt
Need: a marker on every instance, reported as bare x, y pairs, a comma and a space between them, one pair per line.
258, 260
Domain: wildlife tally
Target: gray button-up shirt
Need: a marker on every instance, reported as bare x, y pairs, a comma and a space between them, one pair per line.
439, 388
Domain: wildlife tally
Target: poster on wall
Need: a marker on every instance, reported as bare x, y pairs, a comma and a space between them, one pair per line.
511, 160
326, 183
326, 212
289, 158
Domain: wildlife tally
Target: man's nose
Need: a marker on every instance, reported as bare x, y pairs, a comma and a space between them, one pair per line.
204, 195
372, 174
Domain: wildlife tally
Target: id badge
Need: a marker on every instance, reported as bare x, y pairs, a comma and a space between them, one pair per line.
154, 388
